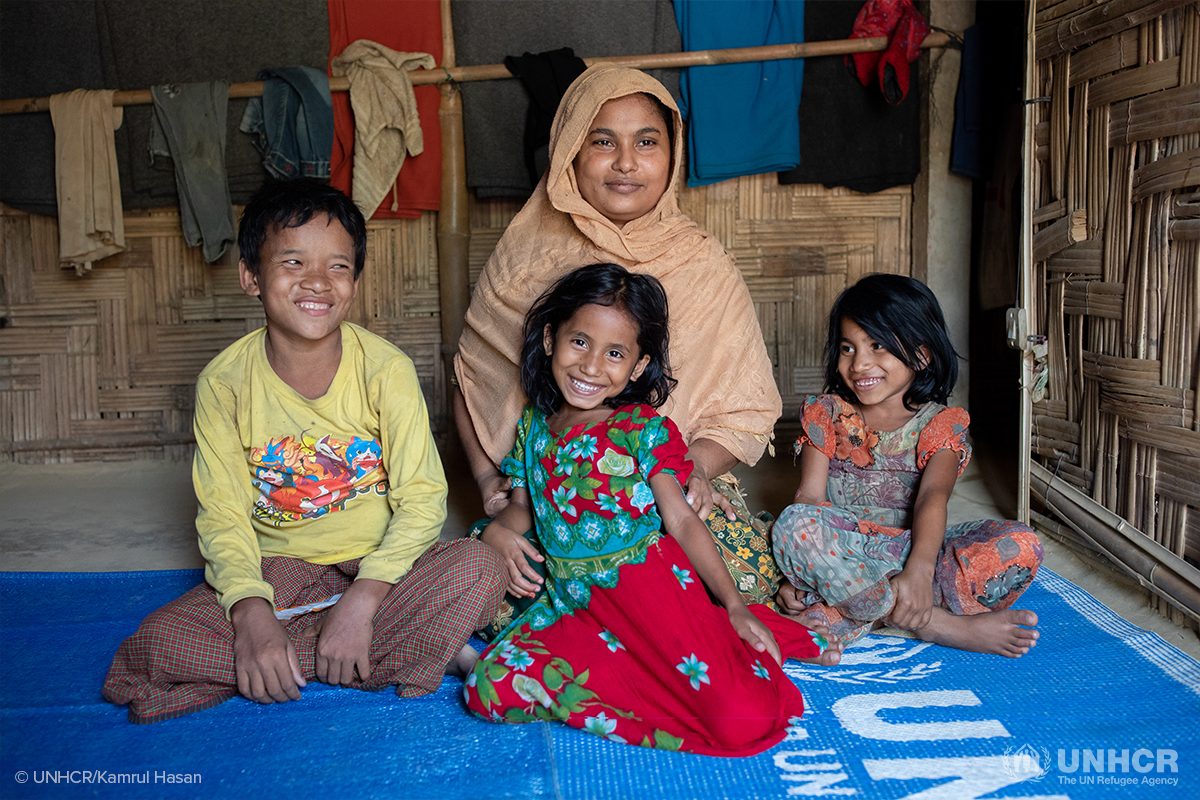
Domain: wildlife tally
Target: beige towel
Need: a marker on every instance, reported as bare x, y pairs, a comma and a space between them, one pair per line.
90, 225
386, 124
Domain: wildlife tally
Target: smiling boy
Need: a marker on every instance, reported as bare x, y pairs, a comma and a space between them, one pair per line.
318, 482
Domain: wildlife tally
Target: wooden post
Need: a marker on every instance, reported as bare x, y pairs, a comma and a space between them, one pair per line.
453, 227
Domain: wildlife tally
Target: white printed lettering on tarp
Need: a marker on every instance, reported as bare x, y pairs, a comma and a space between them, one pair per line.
859, 714
818, 777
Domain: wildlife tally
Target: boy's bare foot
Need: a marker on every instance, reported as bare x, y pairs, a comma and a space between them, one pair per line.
463, 663
1004, 633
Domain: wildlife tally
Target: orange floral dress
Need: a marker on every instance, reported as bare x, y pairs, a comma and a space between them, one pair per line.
841, 554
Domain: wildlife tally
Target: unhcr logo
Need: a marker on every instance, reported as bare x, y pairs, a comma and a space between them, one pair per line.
1027, 763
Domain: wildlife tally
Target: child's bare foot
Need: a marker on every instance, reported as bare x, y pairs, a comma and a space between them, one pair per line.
1004, 633
831, 657
832, 654
463, 663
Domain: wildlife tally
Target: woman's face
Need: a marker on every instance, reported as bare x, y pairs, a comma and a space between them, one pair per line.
625, 162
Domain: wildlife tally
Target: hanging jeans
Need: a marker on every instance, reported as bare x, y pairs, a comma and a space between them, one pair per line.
292, 123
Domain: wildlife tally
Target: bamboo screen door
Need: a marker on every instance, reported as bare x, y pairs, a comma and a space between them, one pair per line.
1111, 281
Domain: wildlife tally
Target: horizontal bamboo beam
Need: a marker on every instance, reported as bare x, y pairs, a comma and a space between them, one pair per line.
490, 72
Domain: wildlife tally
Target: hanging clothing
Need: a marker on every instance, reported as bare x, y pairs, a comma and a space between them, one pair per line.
545, 77
404, 26
487, 32
189, 128
905, 29
386, 123
624, 611
292, 123
967, 155
850, 136
726, 389
741, 117
90, 221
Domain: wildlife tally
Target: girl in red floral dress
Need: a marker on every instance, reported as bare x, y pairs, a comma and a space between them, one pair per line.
866, 541
625, 642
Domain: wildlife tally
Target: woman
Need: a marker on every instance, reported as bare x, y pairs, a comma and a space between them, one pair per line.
609, 196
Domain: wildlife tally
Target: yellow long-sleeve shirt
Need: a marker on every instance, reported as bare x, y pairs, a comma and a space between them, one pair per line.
351, 474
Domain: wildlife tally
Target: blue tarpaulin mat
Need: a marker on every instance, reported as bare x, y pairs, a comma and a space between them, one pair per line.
1098, 709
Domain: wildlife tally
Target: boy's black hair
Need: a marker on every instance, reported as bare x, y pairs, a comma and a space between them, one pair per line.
291, 204
642, 296
902, 315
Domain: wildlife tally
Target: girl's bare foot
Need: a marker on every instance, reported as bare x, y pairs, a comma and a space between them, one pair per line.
832, 654
463, 663
831, 657
1004, 633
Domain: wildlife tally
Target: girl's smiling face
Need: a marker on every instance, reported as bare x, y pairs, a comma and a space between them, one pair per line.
877, 378
593, 356
624, 165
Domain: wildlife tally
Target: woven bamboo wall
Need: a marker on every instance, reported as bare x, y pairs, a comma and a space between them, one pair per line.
103, 366
1117, 257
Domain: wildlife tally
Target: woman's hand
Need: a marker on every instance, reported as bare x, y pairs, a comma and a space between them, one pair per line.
702, 497
752, 631
788, 599
494, 489
913, 591
523, 580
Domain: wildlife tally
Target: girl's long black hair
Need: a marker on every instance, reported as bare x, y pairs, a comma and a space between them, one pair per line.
902, 315
642, 296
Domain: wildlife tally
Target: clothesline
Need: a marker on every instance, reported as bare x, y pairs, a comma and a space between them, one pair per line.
486, 72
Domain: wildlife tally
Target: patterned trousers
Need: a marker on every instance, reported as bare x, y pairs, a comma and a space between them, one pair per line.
841, 566
180, 659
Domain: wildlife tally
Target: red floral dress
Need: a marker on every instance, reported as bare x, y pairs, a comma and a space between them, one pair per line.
625, 642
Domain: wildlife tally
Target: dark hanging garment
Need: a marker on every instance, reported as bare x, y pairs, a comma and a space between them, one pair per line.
849, 134
494, 111
545, 77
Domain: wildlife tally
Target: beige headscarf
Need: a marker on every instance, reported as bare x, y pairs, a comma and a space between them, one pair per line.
726, 388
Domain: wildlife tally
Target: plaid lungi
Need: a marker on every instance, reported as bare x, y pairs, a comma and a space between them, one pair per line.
180, 659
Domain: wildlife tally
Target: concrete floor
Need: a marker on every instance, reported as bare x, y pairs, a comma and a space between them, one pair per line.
139, 515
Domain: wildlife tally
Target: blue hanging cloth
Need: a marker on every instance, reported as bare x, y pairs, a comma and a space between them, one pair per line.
741, 118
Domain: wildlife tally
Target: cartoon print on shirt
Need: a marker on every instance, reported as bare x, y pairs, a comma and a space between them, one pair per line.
307, 477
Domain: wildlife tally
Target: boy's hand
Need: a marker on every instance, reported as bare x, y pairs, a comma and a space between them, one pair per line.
268, 670
754, 632
344, 634
913, 592
788, 599
523, 580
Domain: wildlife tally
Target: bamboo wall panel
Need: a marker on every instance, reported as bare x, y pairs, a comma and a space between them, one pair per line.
102, 366
1117, 278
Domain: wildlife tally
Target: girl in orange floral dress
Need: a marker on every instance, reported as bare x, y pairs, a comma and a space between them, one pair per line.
866, 541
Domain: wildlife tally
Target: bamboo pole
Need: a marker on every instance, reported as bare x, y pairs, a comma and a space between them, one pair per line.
1025, 289
489, 72
453, 225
